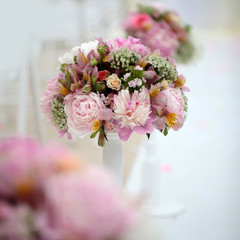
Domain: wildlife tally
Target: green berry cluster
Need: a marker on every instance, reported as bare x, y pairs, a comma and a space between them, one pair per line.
124, 58
163, 68
59, 115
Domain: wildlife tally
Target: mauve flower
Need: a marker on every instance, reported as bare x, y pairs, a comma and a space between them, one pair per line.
16, 222
82, 110
87, 205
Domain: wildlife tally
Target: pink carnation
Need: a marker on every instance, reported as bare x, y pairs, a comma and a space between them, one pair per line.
82, 110
131, 43
87, 205
49, 94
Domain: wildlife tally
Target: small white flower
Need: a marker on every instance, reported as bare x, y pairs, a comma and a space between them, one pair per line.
138, 68
138, 82
126, 76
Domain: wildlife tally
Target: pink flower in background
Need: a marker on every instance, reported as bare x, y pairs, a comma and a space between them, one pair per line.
139, 21
161, 37
82, 110
25, 165
131, 43
87, 205
16, 222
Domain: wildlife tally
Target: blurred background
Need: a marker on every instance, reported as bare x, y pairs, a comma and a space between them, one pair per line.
199, 165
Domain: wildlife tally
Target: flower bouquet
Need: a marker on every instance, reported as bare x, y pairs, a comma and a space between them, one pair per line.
48, 194
161, 29
115, 86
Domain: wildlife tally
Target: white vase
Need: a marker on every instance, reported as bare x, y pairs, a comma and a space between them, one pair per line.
113, 156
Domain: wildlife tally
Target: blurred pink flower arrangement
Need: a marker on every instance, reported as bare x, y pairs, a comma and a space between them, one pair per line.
161, 29
115, 86
48, 194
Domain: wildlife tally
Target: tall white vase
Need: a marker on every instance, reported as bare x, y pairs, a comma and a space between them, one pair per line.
113, 156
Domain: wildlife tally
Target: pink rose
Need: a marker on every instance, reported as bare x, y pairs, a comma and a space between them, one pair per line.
141, 21
170, 101
82, 110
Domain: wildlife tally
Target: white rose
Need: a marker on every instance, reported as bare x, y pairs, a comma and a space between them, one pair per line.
68, 57
86, 48
89, 46
113, 82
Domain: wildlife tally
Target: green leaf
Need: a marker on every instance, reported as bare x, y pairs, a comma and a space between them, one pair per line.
67, 77
148, 135
75, 59
93, 135
62, 68
94, 79
165, 132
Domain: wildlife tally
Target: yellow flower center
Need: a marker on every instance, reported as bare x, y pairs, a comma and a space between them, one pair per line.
171, 119
106, 58
180, 82
96, 125
64, 91
154, 92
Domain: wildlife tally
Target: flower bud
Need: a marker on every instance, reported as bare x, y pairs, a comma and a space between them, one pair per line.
86, 88
93, 62
103, 49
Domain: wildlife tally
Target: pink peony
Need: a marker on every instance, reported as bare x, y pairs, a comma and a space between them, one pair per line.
133, 113
169, 100
87, 205
82, 110
170, 104
131, 43
131, 110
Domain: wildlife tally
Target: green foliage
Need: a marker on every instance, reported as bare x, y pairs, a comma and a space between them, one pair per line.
185, 52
